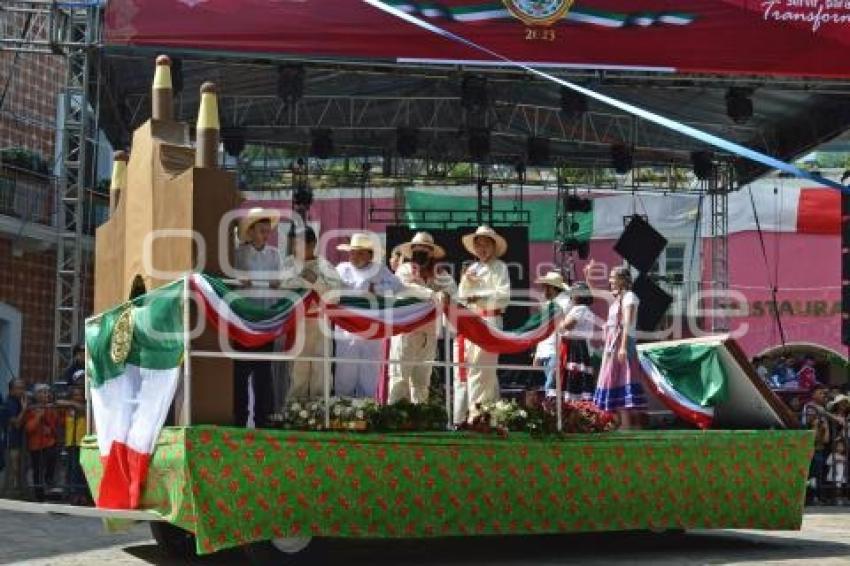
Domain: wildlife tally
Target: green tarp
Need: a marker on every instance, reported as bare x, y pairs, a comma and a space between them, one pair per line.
233, 486
426, 205
694, 370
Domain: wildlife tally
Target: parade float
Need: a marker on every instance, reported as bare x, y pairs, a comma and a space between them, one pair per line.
342, 468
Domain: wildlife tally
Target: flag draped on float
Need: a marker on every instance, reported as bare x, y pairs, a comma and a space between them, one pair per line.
370, 317
688, 378
134, 356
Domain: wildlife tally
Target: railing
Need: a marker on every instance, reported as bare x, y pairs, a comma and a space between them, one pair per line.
448, 366
31, 197
26, 195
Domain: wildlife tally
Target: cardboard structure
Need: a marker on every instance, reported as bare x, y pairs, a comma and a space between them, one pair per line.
168, 206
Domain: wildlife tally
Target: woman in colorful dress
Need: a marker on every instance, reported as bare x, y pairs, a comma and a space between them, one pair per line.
619, 387
577, 329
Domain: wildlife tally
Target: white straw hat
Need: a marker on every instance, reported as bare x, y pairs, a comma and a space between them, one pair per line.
422, 239
553, 279
486, 232
360, 241
252, 217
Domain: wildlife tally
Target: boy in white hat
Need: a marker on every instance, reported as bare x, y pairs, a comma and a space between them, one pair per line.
485, 288
364, 274
545, 355
410, 380
259, 264
305, 269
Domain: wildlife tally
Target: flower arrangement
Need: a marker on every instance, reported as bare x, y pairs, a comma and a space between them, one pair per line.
345, 414
579, 417
406, 416
504, 416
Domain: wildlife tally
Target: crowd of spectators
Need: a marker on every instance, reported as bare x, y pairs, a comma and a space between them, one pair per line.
41, 431
825, 410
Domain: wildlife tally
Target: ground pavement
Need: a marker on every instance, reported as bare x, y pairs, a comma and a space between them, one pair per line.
824, 540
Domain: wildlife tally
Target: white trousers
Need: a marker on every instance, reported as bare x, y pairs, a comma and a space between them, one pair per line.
411, 379
307, 378
352, 379
482, 384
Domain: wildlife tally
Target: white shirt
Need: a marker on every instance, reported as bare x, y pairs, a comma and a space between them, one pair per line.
327, 279
585, 322
491, 282
262, 266
837, 468
629, 299
546, 348
378, 275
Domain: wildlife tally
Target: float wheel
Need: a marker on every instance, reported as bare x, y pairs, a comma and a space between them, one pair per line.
173, 541
284, 551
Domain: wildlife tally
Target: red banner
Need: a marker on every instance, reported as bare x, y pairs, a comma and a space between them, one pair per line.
758, 37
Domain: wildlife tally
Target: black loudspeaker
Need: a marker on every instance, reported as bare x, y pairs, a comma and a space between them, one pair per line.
290, 82
573, 103
407, 141
474, 92
654, 302
703, 162
622, 159
479, 144
517, 258
845, 269
577, 204
640, 244
538, 151
322, 144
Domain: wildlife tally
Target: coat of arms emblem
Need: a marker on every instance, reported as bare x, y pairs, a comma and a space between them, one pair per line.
539, 12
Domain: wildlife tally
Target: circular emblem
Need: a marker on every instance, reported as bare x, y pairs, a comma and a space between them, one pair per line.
122, 337
539, 12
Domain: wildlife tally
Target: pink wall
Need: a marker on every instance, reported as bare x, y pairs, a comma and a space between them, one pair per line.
806, 269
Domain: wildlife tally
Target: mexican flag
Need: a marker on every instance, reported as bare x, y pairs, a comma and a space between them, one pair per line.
134, 356
689, 378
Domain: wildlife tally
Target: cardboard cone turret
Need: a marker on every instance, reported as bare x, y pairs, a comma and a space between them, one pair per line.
208, 128
119, 179
162, 94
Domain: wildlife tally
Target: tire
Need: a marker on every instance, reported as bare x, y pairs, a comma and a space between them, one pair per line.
173, 541
302, 551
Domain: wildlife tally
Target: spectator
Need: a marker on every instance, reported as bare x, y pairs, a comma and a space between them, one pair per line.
814, 421
836, 474
41, 423
807, 377
76, 369
761, 370
795, 404
14, 412
75, 430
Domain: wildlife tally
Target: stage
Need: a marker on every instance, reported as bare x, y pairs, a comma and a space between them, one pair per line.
235, 486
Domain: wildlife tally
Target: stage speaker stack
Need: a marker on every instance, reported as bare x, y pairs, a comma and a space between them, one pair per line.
845, 269
640, 245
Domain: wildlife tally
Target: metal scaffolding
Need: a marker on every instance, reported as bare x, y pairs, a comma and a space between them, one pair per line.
71, 30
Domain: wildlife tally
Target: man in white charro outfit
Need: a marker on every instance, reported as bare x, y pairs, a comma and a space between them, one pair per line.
485, 288
304, 269
411, 379
369, 277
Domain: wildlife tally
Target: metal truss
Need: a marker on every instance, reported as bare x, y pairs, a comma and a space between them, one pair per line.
718, 187
368, 121
82, 33
33, 26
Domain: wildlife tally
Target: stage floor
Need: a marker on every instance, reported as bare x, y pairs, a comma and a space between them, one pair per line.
233, 486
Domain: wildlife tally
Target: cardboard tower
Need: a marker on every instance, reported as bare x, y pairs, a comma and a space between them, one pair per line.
165, 192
